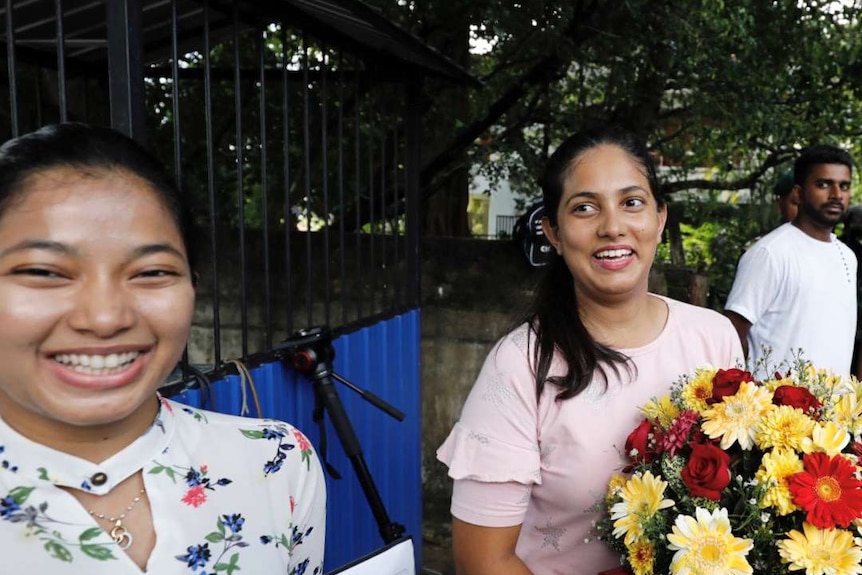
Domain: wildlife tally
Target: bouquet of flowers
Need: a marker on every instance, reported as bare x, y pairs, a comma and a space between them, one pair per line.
735, 476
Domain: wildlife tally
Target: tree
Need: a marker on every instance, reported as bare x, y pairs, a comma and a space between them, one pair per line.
724, 91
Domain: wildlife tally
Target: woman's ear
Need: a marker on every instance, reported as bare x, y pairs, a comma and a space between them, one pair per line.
662, 220
551, 233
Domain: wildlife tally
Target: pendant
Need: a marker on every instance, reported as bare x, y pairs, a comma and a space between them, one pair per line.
121, 536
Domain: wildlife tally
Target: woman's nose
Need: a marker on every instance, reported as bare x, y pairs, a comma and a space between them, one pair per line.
610, 224
102, 307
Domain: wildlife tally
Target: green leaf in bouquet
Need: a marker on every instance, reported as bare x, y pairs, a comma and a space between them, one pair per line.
671, 471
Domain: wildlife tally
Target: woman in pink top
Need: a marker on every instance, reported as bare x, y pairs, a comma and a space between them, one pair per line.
545, 424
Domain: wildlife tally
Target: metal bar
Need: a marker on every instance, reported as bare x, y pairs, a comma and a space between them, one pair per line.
61, 58
208, 105
372, 231
125, 67
175, 96
178, 155
238, 143
381, 270
325, 183
288, 216
273, 74
412, 165
396, 282
85, 96
357, 184
307, 180
342, 210
38, 90
13, 70
264, 185
35, 23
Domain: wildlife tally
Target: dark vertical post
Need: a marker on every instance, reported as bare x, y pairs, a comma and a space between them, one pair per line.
264, 186
61, 59
288, 215
175, 96
13, 71
240, 146
412, 205
381, 270
126, 67
306, 113
396, 209
208, 107
175, 101
342, 210
357, 186
324, 110
38, 92
372, 269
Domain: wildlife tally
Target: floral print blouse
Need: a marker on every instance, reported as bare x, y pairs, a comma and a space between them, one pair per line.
228, 494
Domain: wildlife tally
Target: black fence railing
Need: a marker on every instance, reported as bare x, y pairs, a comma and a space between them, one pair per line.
505, 226
298, 148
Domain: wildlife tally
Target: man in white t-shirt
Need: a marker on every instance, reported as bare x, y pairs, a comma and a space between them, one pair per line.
795, 289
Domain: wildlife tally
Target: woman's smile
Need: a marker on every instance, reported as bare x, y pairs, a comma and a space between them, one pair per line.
102, 310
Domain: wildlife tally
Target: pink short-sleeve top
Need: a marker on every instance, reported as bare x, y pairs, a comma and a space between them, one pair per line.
544, 464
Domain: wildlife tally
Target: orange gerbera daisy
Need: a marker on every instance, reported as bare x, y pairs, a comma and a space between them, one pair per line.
827, 490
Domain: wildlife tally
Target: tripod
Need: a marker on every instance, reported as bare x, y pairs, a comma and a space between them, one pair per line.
310, 352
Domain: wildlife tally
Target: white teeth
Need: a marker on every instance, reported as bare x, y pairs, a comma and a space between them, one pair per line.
609, 254
97, 364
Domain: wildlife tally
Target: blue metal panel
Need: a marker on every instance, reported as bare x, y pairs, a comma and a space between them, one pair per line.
383, 359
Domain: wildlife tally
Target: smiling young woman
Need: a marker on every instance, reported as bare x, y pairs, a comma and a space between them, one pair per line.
546, 422
101, 475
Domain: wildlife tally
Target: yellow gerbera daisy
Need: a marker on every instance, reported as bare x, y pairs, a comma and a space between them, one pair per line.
642, 497
737, 417
784, 427
695, 393
641, 555
662, 410
775, 467
773, 384
847, 412
821, 551
829, 437
615, 484
705, 544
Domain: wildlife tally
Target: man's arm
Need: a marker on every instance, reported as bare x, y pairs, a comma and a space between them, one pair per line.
742, 326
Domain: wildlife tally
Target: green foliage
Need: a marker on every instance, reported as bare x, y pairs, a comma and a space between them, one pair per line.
715, 233
731, 86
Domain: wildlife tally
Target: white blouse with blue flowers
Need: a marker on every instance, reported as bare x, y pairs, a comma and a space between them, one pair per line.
228, 494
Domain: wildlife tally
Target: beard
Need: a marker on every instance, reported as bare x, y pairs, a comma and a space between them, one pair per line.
818, 215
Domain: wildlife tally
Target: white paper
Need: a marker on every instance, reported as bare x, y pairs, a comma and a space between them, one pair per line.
394, 559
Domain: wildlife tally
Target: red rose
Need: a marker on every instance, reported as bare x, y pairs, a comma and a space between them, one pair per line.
641, 443
726, 382
707, 471
797, 397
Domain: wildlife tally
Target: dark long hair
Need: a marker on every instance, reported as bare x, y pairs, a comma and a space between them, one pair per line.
553, 316
89, 149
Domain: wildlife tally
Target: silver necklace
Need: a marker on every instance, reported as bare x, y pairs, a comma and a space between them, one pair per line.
118, 532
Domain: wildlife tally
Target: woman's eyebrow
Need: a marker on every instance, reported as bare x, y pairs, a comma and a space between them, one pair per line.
150, 249
67, 250
48, 245
583, 194
589, 194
